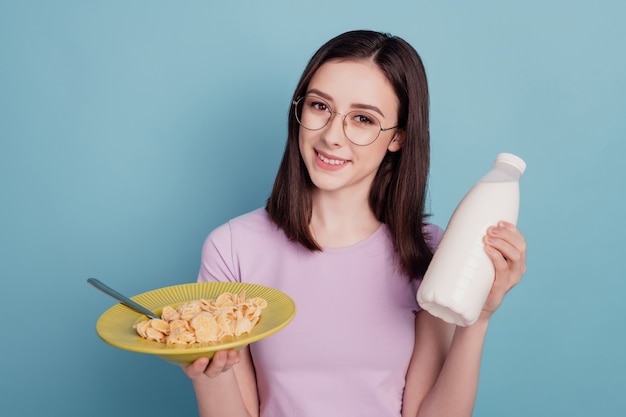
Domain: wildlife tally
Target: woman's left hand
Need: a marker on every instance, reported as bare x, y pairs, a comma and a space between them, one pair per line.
506, 247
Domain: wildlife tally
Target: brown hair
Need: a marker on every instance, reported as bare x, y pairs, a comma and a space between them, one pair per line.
398, 193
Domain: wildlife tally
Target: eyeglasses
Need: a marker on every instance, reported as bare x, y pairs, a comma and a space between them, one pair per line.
360, 127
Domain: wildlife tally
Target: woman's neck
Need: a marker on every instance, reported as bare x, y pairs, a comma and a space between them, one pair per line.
341, 219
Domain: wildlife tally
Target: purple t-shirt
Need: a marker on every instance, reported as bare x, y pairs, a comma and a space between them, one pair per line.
347, 350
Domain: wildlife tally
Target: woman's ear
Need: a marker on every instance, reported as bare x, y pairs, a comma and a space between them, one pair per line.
397, 141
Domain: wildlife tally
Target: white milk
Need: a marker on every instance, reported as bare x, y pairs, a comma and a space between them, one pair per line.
460, 275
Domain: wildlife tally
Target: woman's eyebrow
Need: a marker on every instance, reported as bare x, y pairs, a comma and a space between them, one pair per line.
354, 105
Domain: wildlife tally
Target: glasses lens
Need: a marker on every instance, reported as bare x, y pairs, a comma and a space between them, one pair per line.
362, 128
312, 112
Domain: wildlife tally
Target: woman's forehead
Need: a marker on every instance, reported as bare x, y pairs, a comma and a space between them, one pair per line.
349, 82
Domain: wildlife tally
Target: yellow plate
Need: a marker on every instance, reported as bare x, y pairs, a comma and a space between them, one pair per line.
115, 326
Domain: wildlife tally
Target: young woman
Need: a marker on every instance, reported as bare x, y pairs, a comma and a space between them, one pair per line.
344, 234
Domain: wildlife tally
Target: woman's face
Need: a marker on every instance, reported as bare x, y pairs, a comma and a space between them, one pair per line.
333, 162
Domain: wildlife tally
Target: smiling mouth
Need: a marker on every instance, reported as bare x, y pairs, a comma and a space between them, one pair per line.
330, 161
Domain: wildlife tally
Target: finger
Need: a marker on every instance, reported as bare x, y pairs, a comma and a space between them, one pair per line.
510, 253
504, 280
509, 263
218, 362
500, 262
510, 233
196, 368
509, 241
200, 364
232, 358
221, 362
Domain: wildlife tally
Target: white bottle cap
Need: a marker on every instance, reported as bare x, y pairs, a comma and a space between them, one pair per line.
513, 160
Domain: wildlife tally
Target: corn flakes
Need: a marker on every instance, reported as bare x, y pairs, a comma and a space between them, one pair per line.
204, 320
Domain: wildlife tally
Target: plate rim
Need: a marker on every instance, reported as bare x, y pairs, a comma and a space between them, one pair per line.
164, 350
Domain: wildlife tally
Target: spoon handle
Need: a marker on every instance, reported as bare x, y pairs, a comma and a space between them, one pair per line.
123, 299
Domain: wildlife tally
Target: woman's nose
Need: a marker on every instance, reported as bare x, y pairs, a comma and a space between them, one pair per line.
335, 132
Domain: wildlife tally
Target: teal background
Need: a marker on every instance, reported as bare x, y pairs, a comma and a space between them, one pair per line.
130, 129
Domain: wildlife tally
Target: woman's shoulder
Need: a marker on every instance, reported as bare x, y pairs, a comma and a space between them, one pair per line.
239, 242
254, 220
249, 226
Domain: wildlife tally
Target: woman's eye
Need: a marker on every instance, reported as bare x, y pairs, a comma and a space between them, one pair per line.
362, 119
315, 104
319, 106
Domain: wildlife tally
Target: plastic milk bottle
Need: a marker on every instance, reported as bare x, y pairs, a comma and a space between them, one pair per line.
459, 277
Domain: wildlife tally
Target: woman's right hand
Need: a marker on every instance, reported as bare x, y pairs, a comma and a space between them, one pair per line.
222, 361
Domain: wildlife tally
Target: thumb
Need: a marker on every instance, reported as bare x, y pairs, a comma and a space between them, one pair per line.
200, 364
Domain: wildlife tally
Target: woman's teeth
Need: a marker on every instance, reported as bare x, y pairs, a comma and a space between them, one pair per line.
330, 161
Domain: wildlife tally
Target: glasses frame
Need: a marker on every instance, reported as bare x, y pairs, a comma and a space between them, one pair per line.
344, 124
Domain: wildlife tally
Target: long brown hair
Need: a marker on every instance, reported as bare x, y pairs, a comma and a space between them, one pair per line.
398, 193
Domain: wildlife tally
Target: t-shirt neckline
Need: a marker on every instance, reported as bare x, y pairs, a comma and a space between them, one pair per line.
359, 245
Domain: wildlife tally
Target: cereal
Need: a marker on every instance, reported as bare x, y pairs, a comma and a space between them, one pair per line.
204, 320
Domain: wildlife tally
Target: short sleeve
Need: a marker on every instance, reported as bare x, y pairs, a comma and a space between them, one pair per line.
433, 234
217, 261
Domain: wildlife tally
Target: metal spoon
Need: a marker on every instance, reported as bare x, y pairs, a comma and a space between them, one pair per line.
124, 300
